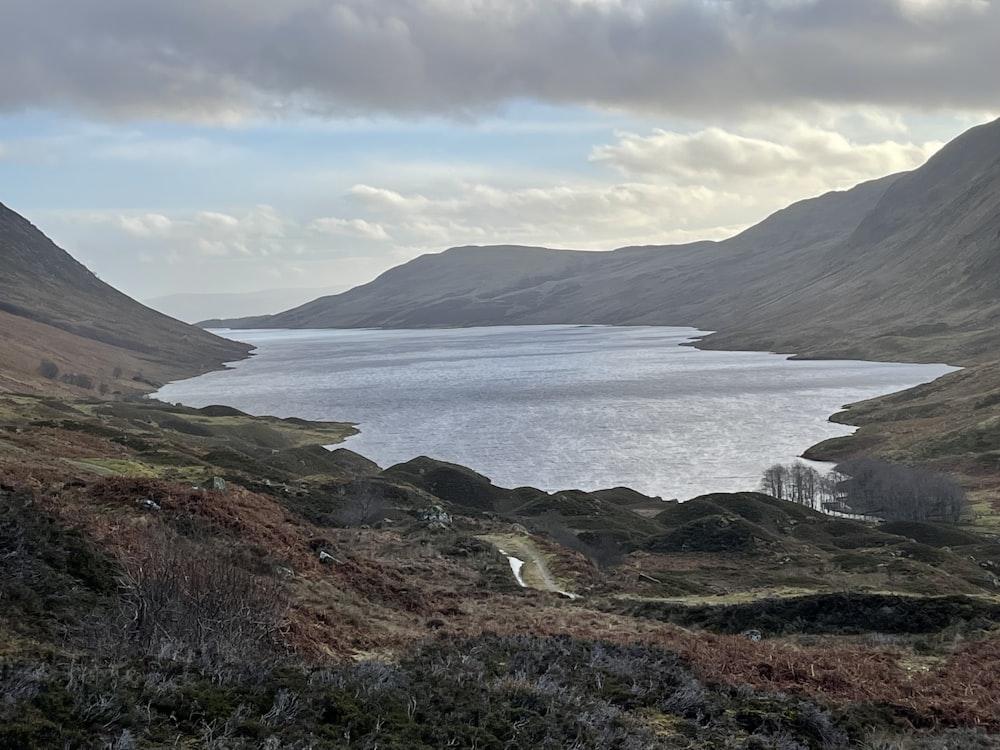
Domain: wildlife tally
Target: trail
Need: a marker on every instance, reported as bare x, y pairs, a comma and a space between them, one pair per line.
535, 573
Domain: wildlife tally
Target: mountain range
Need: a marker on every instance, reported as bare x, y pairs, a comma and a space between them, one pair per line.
903, 267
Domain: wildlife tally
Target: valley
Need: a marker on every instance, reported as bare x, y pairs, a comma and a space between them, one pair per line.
173, 576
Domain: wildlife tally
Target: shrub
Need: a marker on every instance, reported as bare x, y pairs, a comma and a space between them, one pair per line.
79, 380
187, 599
48, 369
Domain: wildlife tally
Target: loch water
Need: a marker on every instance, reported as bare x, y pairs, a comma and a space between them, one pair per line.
554, 407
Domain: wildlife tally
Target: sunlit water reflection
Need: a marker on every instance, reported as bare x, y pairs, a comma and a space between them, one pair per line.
554, 407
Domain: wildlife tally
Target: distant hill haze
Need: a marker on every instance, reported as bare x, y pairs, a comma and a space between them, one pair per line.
63, 329
903, 267
194, 306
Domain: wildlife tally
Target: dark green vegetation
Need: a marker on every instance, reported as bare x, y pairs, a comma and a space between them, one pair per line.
123, 684
51, 577
336, 604
829, 614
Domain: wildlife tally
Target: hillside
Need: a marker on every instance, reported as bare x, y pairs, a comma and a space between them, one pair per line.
674, 285
179, 577
89, 335
901, 267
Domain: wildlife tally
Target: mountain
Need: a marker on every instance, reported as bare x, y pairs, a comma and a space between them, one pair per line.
900, 267
62, 328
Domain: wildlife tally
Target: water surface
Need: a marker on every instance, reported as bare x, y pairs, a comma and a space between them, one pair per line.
554, 407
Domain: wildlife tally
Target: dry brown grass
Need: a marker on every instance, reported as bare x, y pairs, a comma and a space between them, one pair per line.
389, 590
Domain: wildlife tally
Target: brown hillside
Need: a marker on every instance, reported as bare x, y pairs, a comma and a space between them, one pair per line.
54, 311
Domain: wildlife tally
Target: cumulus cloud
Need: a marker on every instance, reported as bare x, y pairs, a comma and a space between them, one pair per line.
350, 227
812, 156
578, 214
212, 251
145, 225
223, 60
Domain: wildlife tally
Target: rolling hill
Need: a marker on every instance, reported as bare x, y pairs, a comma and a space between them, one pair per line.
63, 329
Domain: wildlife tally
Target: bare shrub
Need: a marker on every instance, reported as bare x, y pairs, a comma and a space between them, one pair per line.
368, 506
19, 684
183, 599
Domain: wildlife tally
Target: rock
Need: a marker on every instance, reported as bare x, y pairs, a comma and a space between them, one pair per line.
145, 502
218, 484
752, 635
326, 557
436, 517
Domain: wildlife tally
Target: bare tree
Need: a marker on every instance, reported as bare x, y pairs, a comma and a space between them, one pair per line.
898, 492
870, 487
368, 506
797, 483
773, 482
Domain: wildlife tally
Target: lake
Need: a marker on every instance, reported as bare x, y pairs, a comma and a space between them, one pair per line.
554, 407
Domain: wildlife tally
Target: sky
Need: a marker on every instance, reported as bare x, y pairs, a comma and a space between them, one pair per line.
183, 147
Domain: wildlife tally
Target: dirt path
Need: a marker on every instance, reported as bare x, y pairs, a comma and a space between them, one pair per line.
535, 573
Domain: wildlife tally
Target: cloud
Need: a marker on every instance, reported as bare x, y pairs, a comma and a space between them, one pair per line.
351, 228
260, 231
227, 60
145, 225
148, 254
807, 154
658, 187
574, 214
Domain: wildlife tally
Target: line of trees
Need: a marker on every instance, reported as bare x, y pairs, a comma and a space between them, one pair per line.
870, 487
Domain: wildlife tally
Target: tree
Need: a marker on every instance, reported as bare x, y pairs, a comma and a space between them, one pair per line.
899, 492
48, 369
805, 482
773, 482
797, 483
870, 487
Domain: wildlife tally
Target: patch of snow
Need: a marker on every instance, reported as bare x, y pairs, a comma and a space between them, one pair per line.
515, 566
